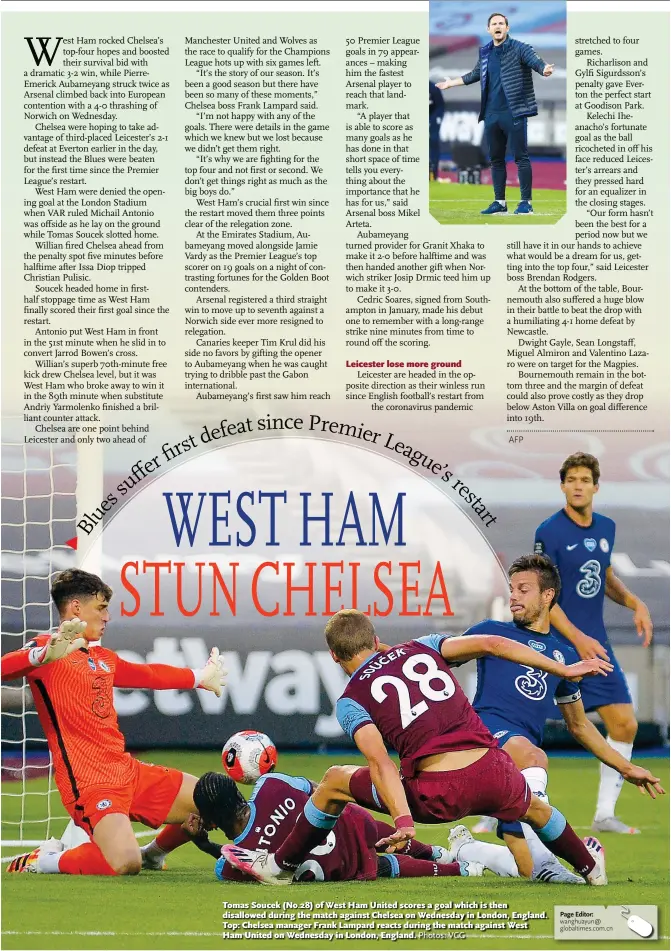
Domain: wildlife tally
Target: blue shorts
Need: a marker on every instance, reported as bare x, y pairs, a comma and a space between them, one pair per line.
503, 730
602, 691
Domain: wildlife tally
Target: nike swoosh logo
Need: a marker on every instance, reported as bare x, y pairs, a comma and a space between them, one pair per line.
571, 547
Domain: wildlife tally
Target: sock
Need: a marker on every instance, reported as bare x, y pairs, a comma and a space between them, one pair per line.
611, 783
397, 865
312, 827
168, 839
410, 867
537, 779
501, 201
84, 860
560, 838
496, 858
48, 862
540, 853
418, 850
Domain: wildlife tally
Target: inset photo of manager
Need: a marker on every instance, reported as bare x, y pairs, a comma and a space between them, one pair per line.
497, 111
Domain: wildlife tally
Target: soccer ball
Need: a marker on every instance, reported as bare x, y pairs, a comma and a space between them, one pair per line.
248, 755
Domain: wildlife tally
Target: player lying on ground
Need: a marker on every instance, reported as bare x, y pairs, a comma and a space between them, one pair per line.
408, 698
580, 543
346, 854
102, 787
514, 704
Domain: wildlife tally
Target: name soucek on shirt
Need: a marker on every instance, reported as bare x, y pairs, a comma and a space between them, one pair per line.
414, 700
582, 555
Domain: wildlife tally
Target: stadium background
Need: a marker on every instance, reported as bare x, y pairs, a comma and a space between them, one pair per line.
285, 682
456, 31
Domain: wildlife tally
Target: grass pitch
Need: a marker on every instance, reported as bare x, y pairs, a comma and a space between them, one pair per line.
461, 205
181, 907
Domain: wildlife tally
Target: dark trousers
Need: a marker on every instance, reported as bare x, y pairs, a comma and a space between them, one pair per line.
434, 148
500, 128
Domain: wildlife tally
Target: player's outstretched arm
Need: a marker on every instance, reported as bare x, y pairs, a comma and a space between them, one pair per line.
385, 777
617, 591
587, 647
462, 649
44, 650
195, 828
588, 736
164, 677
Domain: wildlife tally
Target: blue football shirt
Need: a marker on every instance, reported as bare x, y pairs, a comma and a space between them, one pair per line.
522, 696
582, 556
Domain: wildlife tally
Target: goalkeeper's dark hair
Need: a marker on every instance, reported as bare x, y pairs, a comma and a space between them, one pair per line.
77, 584
220, 802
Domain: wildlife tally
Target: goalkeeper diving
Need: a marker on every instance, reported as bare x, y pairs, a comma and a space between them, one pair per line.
103, 788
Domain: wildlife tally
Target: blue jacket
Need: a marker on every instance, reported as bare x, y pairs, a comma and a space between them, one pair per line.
517, 61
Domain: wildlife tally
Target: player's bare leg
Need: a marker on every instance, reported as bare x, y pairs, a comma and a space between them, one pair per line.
113, 851
333, 792
520, 852
183, 805
621, 726
172, 835
116, 840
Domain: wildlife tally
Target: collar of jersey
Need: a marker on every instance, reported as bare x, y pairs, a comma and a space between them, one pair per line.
366, 661
250, 823
583, 528
527, 630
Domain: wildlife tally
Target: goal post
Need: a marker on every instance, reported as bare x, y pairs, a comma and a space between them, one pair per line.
45, 491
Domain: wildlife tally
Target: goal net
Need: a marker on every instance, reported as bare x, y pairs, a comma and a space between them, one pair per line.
41, 496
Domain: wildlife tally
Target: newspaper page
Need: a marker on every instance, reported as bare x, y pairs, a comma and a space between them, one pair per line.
294, 395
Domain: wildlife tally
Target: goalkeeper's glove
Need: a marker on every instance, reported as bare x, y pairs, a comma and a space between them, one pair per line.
62, 642
213, 675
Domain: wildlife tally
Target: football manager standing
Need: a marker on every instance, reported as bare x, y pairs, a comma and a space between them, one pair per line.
507, 100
